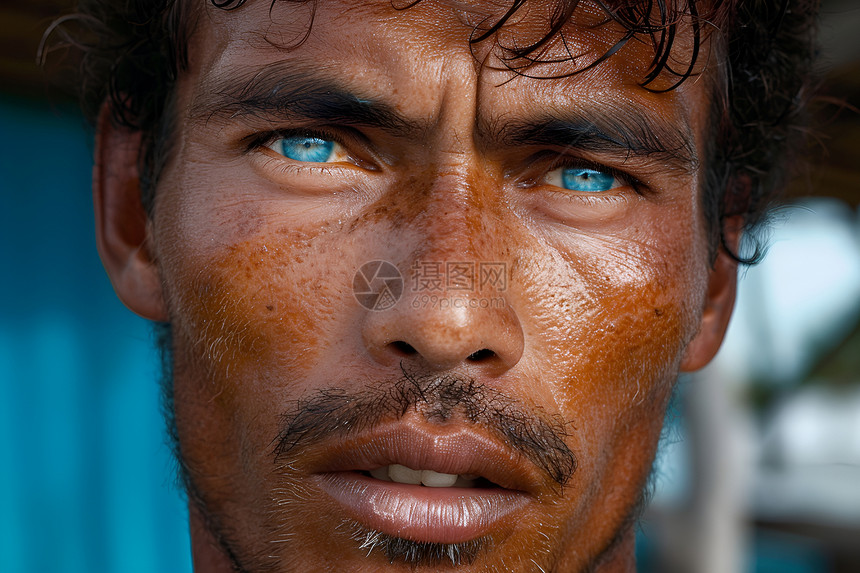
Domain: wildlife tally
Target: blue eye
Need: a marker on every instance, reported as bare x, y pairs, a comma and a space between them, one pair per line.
587, 180
305, 148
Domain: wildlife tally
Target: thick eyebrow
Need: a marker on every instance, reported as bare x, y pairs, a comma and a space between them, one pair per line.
277, 92
623, 132
274, 94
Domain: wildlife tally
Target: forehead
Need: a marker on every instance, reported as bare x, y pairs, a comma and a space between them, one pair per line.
422, 54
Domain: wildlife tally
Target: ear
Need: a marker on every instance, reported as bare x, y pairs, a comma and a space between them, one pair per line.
122, 226
719, 303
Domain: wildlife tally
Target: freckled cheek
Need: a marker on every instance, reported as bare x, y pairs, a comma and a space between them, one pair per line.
250, 320
616, 329
621, 356
612, 340
257, 301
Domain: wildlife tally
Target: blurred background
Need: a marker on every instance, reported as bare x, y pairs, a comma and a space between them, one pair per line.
760, 465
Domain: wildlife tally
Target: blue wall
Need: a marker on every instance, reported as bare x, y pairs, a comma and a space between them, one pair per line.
86, 480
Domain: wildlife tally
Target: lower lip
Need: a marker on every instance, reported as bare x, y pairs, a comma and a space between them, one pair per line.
419, 513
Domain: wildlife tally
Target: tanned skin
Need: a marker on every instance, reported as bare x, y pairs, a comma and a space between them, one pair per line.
290, 396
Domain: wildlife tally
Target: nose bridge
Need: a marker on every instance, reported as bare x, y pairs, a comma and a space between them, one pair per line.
452, 207
452, 214
455, 308
452, 240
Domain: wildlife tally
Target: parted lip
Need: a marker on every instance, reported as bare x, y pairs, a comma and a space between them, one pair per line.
445, 448
428, 514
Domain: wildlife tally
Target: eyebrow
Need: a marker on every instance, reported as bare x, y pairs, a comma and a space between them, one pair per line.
278, 92
275, 93
623, 130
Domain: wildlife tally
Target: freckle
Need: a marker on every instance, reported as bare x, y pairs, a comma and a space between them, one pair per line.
270, 308
658, 311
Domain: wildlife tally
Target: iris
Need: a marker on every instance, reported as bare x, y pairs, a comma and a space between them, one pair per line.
586, 180
305, 148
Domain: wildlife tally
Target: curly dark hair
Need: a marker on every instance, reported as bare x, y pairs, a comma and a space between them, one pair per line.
133, 51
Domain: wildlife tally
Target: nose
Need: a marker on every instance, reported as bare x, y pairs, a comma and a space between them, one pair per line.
456, 305
441, 332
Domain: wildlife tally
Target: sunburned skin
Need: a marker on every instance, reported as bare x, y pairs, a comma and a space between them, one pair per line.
293, 402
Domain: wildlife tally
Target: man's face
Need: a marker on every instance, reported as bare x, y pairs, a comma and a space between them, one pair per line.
554, 273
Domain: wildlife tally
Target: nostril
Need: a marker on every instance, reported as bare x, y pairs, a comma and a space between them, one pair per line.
482, 354
403, 347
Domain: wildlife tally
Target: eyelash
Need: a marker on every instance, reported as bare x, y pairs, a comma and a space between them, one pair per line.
264, 138
569, 162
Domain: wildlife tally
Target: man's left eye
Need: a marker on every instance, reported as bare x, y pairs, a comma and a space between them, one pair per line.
583, 179
307, 148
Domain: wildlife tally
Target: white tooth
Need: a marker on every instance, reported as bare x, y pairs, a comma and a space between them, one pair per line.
465, 481
436, 479
402, 474
380, 473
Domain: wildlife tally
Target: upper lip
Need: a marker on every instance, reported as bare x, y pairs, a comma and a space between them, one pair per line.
450, 448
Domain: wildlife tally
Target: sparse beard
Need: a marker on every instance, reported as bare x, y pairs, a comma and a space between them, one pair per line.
417, 553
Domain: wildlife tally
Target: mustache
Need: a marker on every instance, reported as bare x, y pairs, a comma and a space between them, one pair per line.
335, 412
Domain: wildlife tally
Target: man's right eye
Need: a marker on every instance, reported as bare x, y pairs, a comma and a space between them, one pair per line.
583, 179
308, 149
